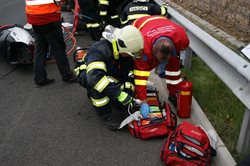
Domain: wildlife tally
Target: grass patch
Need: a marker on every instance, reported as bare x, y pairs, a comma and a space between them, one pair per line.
221, 106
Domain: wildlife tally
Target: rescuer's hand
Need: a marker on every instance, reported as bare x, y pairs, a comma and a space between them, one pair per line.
124, 98
145, 110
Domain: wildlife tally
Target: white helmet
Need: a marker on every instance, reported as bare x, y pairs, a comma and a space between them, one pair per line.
129, 40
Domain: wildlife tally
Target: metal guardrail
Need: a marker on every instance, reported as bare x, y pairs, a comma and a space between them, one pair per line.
232, 69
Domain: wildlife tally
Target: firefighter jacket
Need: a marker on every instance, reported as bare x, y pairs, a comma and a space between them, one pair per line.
135, 10
105, 69
41, 12
100, 13
152, 28
90, 9
108, 9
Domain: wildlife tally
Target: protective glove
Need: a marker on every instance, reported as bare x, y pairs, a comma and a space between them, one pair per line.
145, 110
124, 98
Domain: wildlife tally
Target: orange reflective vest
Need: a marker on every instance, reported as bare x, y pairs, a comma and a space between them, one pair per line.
153, 28
41, 12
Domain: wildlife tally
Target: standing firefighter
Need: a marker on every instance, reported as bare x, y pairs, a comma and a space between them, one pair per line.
105, 69
108, 12
97, 14
45, 17
163, 40
140, 8
90, 9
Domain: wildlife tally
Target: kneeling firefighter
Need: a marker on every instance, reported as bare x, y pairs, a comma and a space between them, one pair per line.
105, 70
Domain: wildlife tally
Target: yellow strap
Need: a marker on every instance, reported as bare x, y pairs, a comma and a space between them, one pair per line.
140, 82
96, 65
115, 51
141, 73
102, 84
150, 19
100, 102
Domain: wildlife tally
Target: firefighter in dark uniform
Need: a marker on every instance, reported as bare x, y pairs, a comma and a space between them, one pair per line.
108, 13
90, 9
140, 8
99, 13
105, 69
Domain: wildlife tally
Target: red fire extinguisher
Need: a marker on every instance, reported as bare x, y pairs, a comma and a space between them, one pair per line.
184, 99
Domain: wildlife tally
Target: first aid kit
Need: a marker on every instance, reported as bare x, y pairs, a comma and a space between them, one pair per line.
160, 122
188, 145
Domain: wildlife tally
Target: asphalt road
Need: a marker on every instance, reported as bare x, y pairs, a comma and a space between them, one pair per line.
12, 12
57, 126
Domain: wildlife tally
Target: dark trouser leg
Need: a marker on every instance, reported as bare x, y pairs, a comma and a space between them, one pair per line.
103, 108
40, 51
54, 36
104, 112
114, 19
101, 103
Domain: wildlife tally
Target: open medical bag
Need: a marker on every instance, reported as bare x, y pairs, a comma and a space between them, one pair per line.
159, 123
187, 145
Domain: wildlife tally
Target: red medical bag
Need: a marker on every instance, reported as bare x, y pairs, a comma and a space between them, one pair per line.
159, 123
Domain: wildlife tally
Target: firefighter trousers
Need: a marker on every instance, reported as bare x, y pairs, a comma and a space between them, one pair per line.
102, 103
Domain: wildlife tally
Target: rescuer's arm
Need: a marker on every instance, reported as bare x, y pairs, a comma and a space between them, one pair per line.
124, 16
141, 75
159, 10
97, 79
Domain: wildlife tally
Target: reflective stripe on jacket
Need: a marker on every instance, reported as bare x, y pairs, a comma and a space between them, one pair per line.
104, 71
152, 28
133, 11
41, 12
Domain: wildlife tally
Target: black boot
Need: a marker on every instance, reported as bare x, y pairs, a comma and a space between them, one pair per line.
111, 123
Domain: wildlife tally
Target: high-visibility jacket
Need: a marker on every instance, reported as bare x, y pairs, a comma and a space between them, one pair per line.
41, 12
135, 10
105, 70
152, 28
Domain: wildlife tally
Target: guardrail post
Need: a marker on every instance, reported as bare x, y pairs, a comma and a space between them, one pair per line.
186, 57
244, 138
